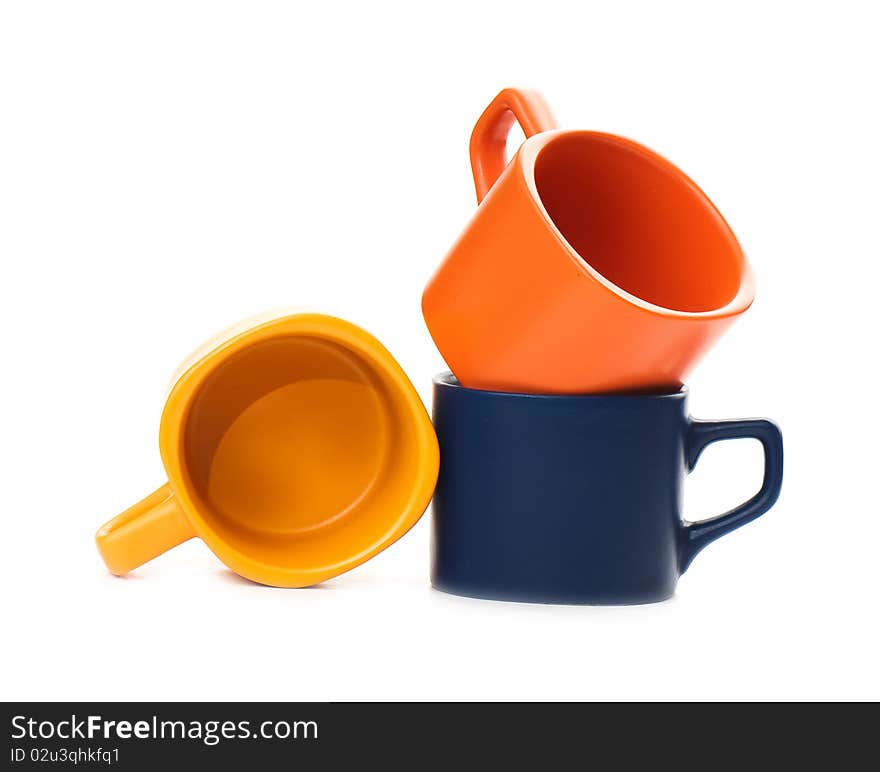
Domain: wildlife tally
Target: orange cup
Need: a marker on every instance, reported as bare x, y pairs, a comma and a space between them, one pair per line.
591, 264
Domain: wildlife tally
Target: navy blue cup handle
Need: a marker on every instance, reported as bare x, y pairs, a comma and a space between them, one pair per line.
695, 536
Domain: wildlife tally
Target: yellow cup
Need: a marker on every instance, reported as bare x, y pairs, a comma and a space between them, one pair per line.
295, 447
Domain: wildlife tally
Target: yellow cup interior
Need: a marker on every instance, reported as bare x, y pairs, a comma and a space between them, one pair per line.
299, 452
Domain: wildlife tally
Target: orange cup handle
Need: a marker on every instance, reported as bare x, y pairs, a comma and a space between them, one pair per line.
489, 137
144, 531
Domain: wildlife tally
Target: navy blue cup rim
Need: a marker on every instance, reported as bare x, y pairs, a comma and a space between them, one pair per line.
448, 380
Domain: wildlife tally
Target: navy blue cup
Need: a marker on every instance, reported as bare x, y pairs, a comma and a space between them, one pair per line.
575, 499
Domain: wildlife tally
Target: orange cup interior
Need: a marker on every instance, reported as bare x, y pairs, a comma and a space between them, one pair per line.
639, 222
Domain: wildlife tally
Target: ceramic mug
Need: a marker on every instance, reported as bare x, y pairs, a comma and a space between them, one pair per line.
591, 264
295, 447
575, 499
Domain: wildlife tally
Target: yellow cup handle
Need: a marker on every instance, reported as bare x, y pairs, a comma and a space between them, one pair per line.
144, 531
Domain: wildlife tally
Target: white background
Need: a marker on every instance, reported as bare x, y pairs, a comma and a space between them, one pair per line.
167, 168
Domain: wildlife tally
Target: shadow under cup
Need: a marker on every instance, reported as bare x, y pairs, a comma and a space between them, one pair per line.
287, 450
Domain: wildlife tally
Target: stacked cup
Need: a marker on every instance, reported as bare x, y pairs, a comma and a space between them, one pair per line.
592, 278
